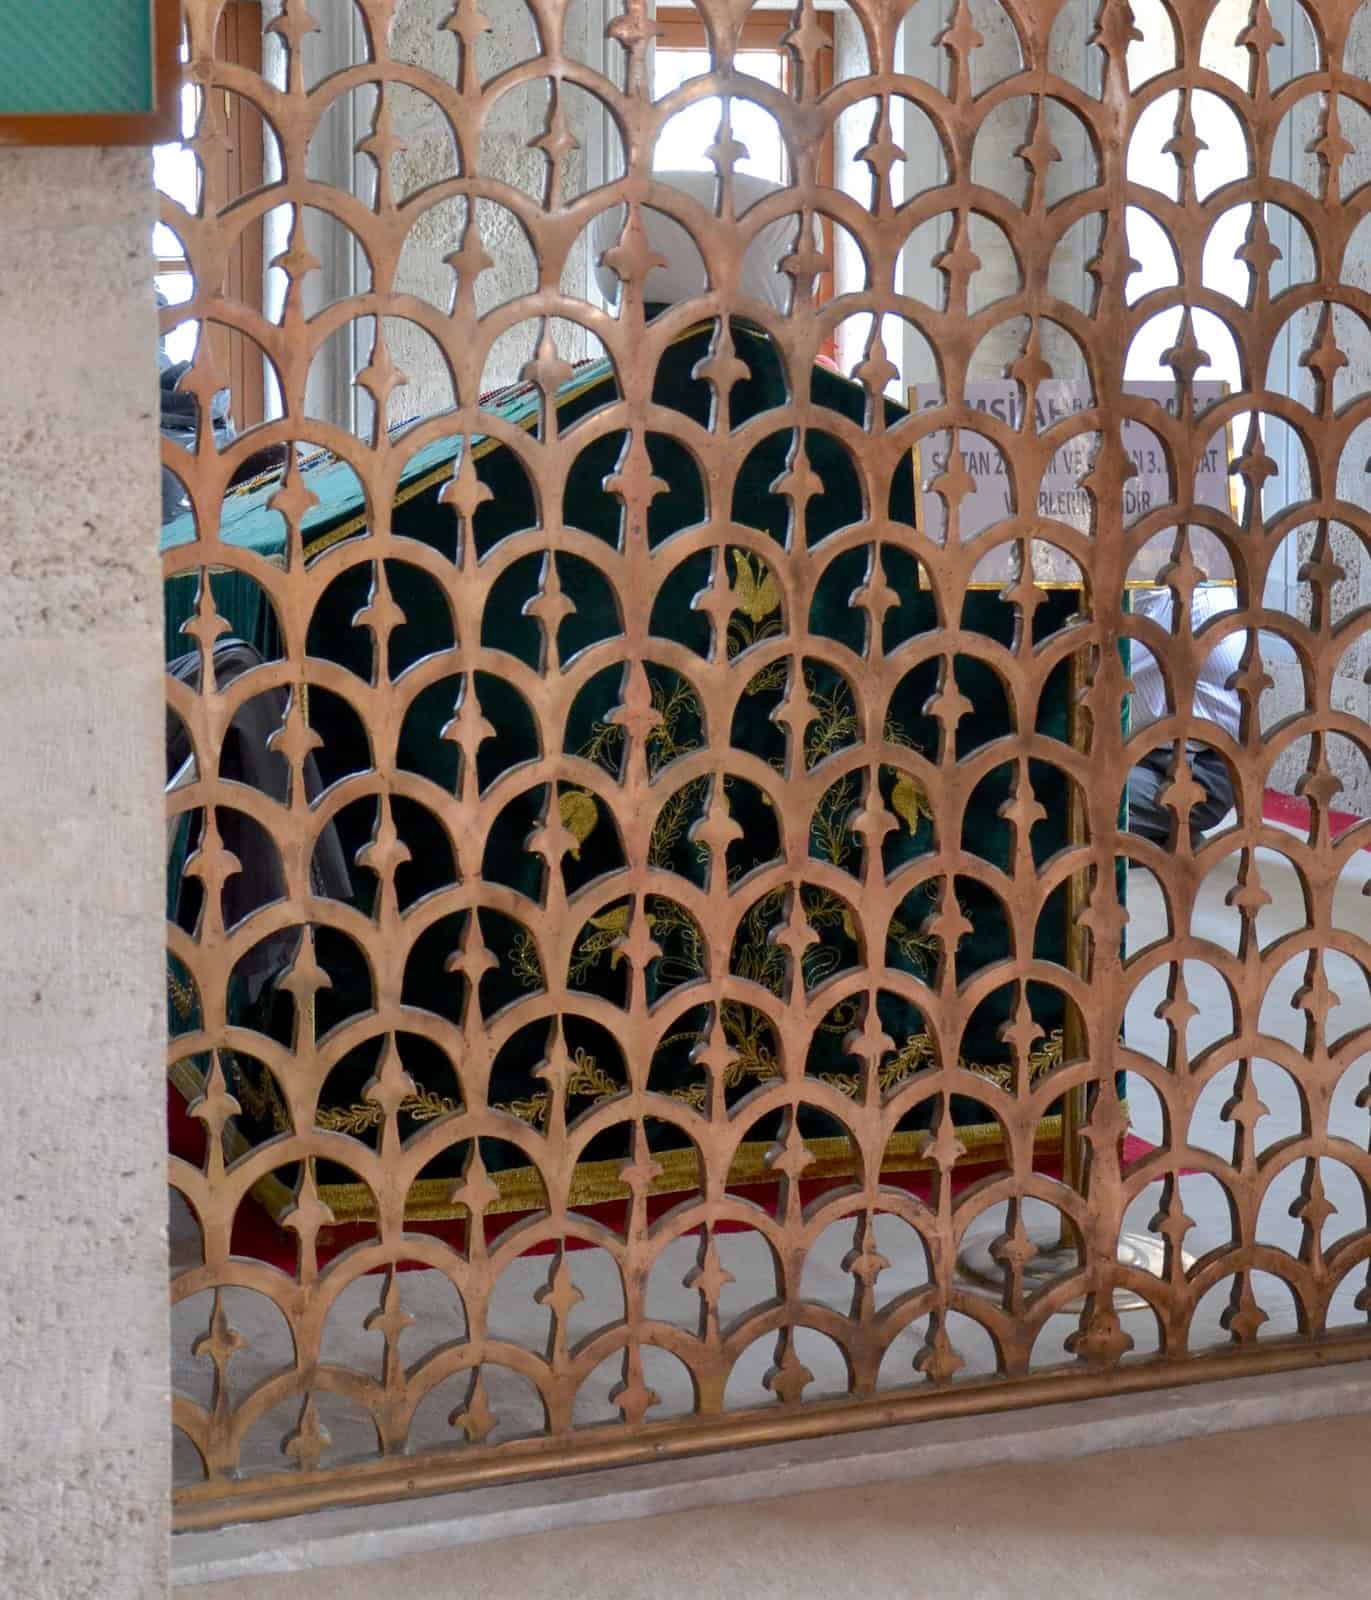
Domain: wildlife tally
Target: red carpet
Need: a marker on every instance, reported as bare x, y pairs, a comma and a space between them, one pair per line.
257, 1237
1294, 813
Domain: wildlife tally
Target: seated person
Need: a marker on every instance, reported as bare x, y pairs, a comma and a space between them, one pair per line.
1148, 817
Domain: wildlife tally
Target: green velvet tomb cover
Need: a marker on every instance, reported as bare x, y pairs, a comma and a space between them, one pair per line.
336, 636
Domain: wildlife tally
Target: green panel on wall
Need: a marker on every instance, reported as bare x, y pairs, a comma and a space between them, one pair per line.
75, 57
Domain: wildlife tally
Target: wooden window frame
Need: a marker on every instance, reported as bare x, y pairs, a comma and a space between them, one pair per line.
157, 125
243, 169
681, 28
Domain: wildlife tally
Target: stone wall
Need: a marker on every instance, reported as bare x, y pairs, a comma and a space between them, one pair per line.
1350, 691
506, 154
84, 1400
427, 156
994, 164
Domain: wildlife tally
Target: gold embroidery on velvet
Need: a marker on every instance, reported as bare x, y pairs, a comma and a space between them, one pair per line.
525, 962
674, 818
759, 601
755, 956
182, 996
366, 1114
605, 938
579, 814
918, 1051
589, 1081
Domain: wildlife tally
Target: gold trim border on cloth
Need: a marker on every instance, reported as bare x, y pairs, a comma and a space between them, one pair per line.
597, 1182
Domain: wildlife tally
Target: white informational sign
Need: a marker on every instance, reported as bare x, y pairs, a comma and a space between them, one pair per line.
1061, 496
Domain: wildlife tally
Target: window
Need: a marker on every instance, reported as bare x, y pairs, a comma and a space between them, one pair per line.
682, 53
178, 175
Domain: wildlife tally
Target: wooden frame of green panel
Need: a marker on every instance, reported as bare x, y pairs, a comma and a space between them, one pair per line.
123, 120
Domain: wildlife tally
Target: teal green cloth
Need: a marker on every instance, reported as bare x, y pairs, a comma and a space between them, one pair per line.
77, 58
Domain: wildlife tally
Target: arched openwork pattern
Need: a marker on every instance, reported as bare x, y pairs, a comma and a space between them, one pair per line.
648, 870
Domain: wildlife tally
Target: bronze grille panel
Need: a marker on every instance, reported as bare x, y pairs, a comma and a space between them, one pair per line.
1013, 196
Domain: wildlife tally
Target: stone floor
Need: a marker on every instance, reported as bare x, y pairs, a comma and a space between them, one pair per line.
1273, 1512
430, 1300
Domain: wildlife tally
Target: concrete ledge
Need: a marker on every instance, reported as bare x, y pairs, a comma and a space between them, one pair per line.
357, 1535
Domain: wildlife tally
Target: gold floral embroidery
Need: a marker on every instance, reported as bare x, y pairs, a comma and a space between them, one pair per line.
666, 740
836, 725
606, 937
1041, 1060
364, 1115
182, 996
752, 1059
754, 587
525, 962
674, 818
579, 813
522, 1188
910, 802
259, 1096
588, 1081
769, 679
917, 1051
755, 956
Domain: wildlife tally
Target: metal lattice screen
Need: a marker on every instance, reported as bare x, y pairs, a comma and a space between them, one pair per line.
650, 879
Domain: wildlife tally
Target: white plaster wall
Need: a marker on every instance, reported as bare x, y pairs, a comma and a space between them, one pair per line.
84, 1408
427, 156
